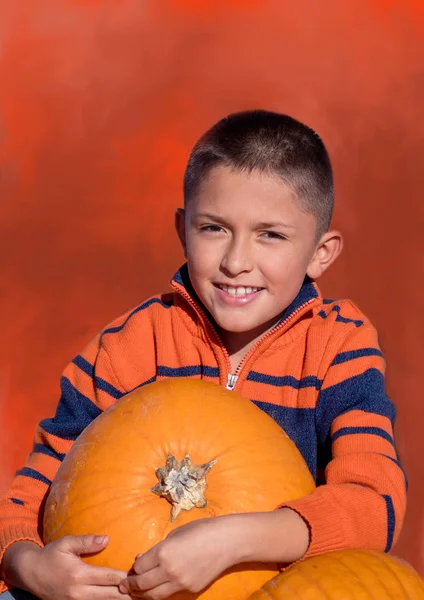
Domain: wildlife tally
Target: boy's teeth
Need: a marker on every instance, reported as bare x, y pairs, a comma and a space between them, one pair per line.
238, 291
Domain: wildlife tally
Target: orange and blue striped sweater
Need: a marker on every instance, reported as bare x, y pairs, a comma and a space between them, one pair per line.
319, 373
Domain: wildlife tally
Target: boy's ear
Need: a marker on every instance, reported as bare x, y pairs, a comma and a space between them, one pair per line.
326, 252
180, 227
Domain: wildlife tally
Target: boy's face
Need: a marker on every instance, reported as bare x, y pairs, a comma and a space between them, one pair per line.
248, 247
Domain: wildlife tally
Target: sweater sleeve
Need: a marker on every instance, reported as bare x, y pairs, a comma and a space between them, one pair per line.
88, 387
363, 500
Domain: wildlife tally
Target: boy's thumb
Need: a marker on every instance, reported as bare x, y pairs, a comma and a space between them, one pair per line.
86, 544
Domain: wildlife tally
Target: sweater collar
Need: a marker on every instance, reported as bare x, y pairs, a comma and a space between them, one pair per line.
307, 293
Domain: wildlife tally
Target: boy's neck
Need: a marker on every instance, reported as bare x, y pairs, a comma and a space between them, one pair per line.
239, 344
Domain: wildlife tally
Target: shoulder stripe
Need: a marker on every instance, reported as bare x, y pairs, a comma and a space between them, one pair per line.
33, 474
343, 357
17, 501
285, 380
105, 386
391, 521
357, 430
84, 365
74, 413
360, 392
188, 371
43, 449
100, 383
143, 306
340, 318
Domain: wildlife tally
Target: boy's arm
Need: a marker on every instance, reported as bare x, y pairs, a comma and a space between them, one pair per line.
88, 387
362, 504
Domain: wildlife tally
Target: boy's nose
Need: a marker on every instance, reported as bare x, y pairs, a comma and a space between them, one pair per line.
237, 259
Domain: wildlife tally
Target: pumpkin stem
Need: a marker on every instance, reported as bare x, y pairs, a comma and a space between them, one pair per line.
182, 484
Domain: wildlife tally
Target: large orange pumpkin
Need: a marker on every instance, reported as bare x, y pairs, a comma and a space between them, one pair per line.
116, 479
345, 575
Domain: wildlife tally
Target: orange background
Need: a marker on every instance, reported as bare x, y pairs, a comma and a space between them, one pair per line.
100, 102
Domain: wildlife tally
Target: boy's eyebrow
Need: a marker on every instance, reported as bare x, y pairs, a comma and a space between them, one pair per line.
263, 224
208, 216
267, 225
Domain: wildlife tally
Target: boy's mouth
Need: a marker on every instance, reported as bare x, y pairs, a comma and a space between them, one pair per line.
239, 290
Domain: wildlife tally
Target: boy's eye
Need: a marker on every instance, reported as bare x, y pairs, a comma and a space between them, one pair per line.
211, 228
273, 235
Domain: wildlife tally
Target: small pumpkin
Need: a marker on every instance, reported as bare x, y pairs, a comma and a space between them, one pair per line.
345, 575
164, 455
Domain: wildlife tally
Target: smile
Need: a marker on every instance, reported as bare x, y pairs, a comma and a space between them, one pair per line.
238, 291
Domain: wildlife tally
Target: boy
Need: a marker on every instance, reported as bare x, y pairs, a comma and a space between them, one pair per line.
245, 313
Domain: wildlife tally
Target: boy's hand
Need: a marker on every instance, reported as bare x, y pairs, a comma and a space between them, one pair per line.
189, 559
196, 554
57, 572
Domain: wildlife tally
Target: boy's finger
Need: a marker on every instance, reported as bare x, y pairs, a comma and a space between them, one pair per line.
160, 593
93, 592
146, 562
82, 544
102, 576
147, 581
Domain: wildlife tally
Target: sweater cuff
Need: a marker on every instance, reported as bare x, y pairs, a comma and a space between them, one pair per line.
326, 531
16, 533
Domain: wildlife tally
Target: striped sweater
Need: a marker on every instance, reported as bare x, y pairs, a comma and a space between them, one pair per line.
319, 374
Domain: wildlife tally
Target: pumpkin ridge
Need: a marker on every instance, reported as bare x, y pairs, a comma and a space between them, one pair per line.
95, 505
370, 593
304, 573
147, 500
389, 566
283, 584
111, 521
385, 565
292, 590
166, 530
266, 594
254, 441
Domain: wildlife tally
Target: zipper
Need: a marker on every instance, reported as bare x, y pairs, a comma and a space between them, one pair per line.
231, 381
232, 378
271, 332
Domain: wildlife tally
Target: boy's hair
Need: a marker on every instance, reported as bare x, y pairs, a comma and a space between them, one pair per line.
272, 143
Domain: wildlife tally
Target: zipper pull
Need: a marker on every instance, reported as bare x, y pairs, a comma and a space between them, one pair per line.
231, 381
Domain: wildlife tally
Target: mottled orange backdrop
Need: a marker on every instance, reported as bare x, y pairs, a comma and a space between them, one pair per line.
100, 102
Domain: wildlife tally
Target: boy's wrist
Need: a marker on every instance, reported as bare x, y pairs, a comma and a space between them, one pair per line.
280, 536
15, 568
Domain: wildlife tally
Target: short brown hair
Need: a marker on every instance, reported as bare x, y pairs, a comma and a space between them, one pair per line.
273, 143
